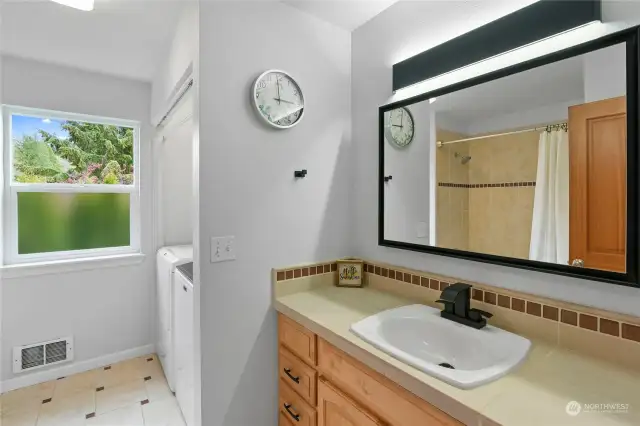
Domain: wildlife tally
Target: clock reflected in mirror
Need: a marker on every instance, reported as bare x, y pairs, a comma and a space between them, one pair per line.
278, 99
399, 128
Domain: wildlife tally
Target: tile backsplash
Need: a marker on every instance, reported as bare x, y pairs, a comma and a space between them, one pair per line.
613, 324
305, 271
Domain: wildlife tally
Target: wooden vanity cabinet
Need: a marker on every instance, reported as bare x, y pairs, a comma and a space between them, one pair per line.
337, 409
321, 385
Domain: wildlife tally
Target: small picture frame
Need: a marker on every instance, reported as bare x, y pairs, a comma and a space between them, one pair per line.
350, 273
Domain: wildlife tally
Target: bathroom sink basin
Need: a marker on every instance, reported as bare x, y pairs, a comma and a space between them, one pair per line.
457, 354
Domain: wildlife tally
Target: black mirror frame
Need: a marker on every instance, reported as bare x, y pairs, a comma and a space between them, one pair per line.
629, 36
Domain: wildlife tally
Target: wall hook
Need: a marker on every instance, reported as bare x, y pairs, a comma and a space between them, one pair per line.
300, 173
388, 178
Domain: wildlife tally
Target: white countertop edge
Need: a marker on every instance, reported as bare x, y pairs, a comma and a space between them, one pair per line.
443, 402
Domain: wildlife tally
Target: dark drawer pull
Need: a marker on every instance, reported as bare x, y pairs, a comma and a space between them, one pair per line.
296, 417
287, 371
184, 287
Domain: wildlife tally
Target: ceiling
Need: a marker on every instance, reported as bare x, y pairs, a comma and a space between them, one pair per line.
539, 87
126, 38
347, 14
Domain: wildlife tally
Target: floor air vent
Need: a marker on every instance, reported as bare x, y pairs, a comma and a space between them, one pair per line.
39, 355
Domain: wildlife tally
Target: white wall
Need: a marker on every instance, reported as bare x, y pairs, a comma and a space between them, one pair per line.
174, 163
531, 117
407, 194
409, 27
2, 353
605, 73
177, 61
107, 310
247, 189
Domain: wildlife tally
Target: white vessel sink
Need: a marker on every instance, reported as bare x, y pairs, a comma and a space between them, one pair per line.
418, 336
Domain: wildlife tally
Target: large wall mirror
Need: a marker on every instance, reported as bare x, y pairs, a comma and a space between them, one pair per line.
534, 166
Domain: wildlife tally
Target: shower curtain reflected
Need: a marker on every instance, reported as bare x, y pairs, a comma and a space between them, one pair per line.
550, 227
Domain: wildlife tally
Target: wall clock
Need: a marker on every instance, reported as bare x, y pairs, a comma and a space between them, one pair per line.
278, 99
399, 127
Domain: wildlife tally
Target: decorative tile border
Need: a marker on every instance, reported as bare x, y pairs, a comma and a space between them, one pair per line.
625, 327
305, 271
485, 185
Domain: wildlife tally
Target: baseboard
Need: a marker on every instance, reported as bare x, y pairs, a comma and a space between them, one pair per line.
29, 379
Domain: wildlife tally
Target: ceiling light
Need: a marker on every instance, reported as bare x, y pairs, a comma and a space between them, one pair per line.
86, 5
432, 100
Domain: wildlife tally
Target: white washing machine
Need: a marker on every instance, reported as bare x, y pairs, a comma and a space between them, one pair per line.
167, 259
183, 342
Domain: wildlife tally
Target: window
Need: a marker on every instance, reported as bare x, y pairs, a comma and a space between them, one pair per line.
71, 186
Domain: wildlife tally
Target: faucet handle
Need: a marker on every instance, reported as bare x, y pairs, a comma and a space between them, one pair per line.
477, 314
449, 305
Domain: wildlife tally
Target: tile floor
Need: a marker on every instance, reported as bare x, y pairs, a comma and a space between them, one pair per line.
130, 393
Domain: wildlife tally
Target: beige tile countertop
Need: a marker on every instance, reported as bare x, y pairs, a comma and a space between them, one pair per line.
537, 393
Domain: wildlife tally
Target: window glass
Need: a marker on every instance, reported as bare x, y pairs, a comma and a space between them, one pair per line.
52, 150
50, 222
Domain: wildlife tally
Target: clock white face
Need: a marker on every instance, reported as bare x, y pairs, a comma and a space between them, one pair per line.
400, 127
278, 99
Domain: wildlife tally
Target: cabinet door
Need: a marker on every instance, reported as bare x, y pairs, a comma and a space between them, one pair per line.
336, 409
283, 420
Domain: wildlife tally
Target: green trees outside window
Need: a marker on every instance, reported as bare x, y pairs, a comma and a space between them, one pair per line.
79, 152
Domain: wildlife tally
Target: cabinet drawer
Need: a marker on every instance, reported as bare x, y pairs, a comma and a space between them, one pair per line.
297, 339
296, 409
298, 375
378, 394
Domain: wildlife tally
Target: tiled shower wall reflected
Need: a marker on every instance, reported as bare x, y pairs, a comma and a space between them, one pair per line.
486, 205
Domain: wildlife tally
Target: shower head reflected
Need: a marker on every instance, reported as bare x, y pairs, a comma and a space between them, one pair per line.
464, 159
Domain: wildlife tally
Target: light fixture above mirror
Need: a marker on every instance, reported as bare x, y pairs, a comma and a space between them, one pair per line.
85, 5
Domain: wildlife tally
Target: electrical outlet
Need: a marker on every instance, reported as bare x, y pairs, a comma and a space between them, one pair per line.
223, 249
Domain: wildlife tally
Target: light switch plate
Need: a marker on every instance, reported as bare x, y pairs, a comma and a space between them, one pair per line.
223, 249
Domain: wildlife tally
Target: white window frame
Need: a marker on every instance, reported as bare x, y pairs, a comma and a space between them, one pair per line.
11, 190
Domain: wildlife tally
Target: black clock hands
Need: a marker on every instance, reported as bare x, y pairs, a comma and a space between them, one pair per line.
278, 88
283, 100
401, 125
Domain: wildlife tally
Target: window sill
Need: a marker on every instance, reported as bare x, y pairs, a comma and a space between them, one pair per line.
70, 265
